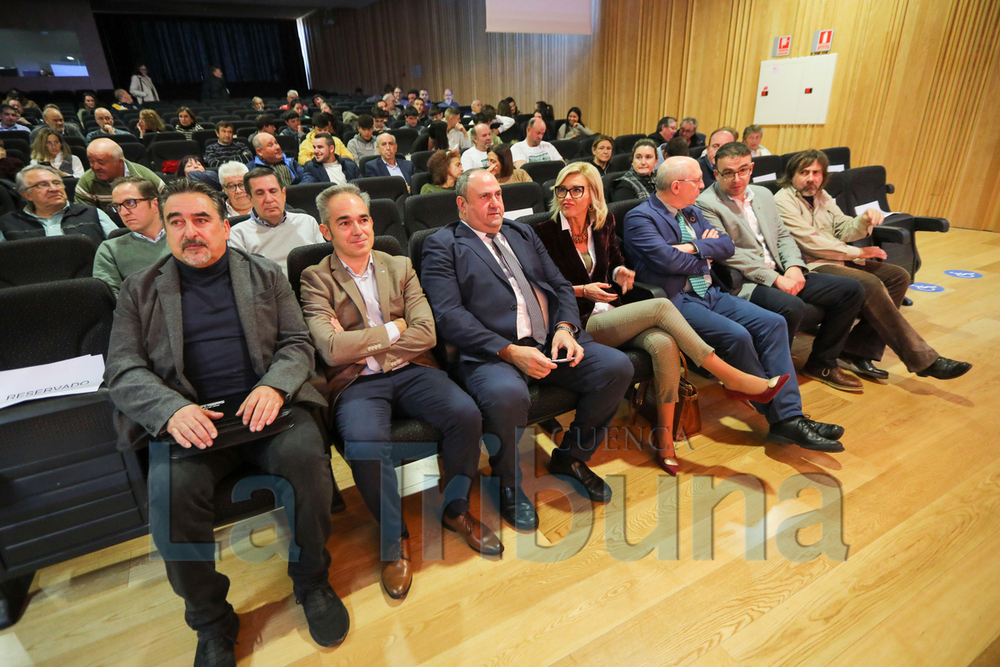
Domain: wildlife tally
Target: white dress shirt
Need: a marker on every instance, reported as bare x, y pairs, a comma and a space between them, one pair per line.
746, 205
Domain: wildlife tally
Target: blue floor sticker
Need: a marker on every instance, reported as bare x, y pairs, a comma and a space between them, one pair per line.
926, 287
963, 274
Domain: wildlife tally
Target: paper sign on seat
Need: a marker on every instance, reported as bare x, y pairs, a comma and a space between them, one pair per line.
80, 375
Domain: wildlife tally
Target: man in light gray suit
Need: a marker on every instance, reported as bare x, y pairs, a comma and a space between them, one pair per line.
774, 275
204, 323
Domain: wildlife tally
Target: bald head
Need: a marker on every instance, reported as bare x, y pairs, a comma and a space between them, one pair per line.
104, 147
103, 117
106, 159
678, 181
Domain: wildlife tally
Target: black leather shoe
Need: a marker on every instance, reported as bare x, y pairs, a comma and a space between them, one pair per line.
863, 367
594, 487
326, 615
516, 509
797, 431
828, 431
946, 369
215, 652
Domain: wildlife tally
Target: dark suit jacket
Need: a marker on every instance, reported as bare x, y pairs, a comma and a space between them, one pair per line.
328, 290
314, 172
707, 171
650, 233
473, 302
377, 167
145, 369
607, 257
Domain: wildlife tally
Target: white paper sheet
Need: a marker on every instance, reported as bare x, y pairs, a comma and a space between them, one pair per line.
836, 167
517, 214
763, 178
861, 208
80, 375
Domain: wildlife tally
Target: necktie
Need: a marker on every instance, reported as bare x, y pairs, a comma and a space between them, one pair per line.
535, 317
698, 283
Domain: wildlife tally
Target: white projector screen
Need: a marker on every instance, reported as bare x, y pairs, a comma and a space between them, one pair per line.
566, 17
797, 90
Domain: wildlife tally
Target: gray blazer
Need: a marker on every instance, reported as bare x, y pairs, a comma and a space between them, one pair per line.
723, 214
145, 369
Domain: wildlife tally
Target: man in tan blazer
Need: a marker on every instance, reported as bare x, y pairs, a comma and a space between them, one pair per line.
372, 325
205, 323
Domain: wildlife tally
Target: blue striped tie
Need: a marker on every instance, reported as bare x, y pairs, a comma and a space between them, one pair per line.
698, 283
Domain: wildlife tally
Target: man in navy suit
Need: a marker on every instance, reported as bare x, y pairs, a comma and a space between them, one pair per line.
387, 164
499, 298
672, 245
326, 167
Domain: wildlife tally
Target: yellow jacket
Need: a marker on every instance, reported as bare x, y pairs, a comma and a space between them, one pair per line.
306, 151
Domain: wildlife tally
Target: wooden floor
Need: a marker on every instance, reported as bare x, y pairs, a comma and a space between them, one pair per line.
920, 484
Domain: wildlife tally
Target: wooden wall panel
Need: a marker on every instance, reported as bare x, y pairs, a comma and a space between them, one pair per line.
915, 89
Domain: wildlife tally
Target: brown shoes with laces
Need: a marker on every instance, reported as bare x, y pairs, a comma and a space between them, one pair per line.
834, 377
476, 535
398, 575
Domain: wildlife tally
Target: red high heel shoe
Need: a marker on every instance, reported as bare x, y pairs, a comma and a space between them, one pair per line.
668, 464
774, 386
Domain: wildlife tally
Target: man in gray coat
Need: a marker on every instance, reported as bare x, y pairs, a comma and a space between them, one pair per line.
209, 322
774, 275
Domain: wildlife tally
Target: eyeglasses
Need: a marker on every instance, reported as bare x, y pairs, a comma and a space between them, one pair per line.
128, 204
575, 192
47, 185
729, 175
234, 187
691, 180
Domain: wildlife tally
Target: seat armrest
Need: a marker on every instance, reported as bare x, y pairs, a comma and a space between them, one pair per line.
890, 188
928, 224
642, 291
887, 234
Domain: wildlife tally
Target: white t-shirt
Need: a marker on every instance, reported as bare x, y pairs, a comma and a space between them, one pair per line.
335, 172
543, 152
274, 243
473, 159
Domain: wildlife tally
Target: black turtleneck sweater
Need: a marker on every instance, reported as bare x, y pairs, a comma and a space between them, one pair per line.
216, 357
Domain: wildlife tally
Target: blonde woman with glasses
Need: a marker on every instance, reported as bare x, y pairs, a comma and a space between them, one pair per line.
581, 240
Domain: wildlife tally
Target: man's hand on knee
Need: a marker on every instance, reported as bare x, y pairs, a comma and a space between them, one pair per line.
261, 407
528, 360
191, 425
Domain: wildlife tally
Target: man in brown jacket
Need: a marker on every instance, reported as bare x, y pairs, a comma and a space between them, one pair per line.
823, 232
372, 325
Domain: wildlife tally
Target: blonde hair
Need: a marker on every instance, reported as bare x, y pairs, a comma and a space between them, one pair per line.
152, 120
598, 207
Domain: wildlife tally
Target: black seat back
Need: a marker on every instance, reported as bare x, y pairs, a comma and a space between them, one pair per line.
839, 156
303, 197
543, 171
382, 187
419, 180
172, 150
620, 162
429, 211
45, 259
768, 166
386, 220
303, 257
625, 142
405, 138
522, 196
568, 148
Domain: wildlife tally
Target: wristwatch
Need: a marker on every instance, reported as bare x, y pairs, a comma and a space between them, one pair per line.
570, 329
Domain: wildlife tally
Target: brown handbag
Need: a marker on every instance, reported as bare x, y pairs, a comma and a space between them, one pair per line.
687, 413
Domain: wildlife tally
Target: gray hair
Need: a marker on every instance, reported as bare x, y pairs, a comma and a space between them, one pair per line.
232, 169
388, 96
462, 184
672, 170
22, 183
690, 121
533, 120
292, 92
323, 199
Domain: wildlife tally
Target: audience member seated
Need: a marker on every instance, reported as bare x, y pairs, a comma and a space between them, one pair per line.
317, 100
107, 164
141, 86
458, 136
363, 143
720, 137
89, 104
582, 242
187, 123
51, 149
411, 116
16, 105
379, 117
124, 101
545, 113
509, 329
189, 163
665, 129
135, 201
214, 86
602, 148
227, 148
48, 211
105, 126
752, 135
774, 275
392, 108
639, 182
476, 156
533, 148
257, 104
53, 119
823, 231
449, 100
676, 147
689, 130
322, 122
270, 155
293, 126
290, 97
271, 231
574, 127
326, 167
204, 293
380, 367
475, 108
445, 167
150, 121
672, 246
425, 96
388, 164
231, 179
500, 163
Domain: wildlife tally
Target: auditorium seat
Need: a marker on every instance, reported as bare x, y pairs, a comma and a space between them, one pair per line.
568, 148
419, 160
625, 142
204, 138
543, 171
289, 145
80, 152
839, 157
620, 161
768, 166
387, 220
405, 137
608, 181
429, 211
167, 135
301, 258
365, 160
16, 143
418, 180
45, 259
69, 183
303, 197
161, 151
521, 196
384, 187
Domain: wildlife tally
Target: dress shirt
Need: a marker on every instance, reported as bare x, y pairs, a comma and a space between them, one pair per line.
708, 279
746, 205
369, 293
523, 323
53, 225
394, 169
145, 238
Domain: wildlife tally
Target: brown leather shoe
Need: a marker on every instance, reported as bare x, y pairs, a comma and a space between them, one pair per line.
834, 377
397, 576
476, 535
